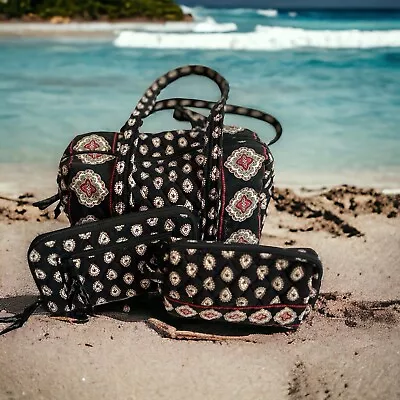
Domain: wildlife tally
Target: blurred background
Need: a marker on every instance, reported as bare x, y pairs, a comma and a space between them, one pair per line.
329, 71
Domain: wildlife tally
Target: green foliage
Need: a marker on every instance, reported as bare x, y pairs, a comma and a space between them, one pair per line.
93, 9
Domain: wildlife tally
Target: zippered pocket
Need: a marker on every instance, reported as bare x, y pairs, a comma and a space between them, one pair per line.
109, 241
299, 253
114, 273
168, 158
120, 220
241, 283
121, 245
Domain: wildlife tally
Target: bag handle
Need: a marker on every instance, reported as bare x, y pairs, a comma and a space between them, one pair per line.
146, 104
212, 168
181, 113
213, 137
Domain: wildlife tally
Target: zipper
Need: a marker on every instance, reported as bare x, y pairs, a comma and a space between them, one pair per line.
120, 220
171, 157
128, 243
73, 273
109, 153
247, 247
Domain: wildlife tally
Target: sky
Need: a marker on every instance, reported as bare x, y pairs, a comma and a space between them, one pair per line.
298, 4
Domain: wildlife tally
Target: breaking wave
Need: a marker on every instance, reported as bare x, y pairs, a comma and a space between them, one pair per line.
208, 25
268, 13
186, 9
264, 38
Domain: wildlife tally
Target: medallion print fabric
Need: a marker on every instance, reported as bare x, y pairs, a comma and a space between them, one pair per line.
104, 174
89, 188
92, 143
212, 183
247, 179
175, 167
140, 203
243, 204
78, 268
244, 236
85, 177
250, 284
244, 163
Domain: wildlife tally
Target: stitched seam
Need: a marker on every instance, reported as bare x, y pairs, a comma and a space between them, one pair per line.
113, 174
223, 200
262, 189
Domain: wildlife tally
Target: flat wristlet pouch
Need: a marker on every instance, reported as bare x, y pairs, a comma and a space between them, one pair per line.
238, 283
78, 269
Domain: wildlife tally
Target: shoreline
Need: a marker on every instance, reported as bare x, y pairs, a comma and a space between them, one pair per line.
79, 28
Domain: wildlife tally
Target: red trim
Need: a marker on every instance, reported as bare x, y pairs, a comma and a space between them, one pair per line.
235, 308
223, 198
113, 174
262, 189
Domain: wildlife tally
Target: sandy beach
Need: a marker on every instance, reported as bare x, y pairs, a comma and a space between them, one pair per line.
88, 29
348, 348
73, 29
332, 79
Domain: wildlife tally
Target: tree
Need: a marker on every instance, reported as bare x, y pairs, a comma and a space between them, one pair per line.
92, 9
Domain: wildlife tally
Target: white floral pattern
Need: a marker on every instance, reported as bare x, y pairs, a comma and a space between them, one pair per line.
243, 204
89, 188
242, 236
244, 163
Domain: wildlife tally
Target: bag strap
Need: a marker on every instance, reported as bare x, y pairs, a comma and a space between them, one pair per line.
212, 168
129, 138
146, 104
181, 113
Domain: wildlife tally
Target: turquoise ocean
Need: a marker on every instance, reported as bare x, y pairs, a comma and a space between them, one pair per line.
331, 78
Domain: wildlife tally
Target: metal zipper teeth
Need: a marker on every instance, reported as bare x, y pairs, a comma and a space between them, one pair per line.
247, 247
127, 244
123, 219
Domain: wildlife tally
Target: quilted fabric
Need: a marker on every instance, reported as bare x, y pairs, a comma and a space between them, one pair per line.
222, 173
258, 285
201, 171
247, 183
102, 262
224, 192
85, 177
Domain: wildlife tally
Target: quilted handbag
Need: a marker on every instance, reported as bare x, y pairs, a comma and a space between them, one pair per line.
80, 268
239, 283
246, 171
223, 174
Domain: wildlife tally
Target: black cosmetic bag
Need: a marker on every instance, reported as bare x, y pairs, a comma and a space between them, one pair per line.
79, 268
238, 283
101, 262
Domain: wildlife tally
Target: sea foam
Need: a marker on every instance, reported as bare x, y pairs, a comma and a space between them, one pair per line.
262, 39
208, 25
268, 13
186, 9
